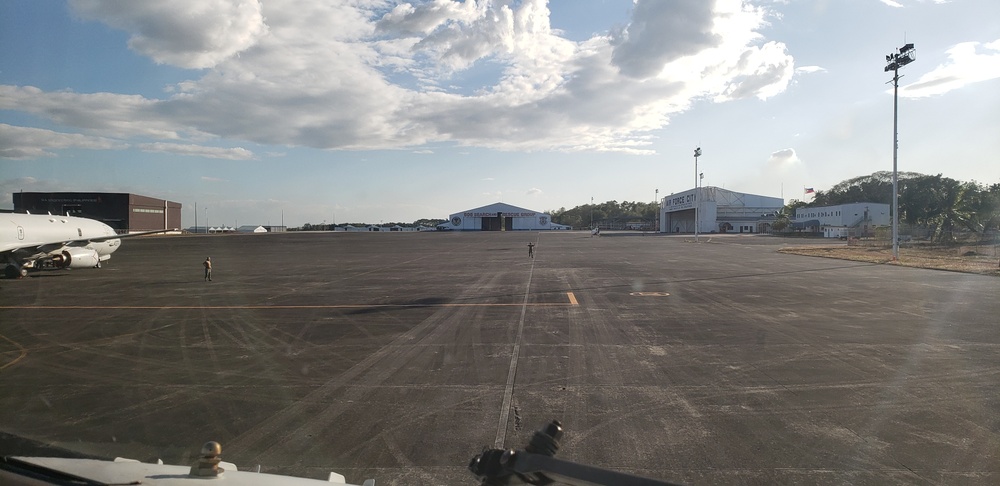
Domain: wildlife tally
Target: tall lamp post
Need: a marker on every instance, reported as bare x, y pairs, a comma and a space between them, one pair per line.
656, 201
903, 56
697, 202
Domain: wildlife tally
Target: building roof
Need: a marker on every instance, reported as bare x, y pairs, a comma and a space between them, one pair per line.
499, 207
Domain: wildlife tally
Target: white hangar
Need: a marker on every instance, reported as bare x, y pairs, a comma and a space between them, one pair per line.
718, 211
500, 217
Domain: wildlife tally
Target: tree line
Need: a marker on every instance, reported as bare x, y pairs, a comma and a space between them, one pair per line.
428, 222
942, 205
610, 213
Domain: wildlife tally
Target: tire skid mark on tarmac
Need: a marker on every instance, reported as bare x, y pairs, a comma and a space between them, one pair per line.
345, 278
442, 332
481, 392
22, 352
287, 426
134, 409
700, 414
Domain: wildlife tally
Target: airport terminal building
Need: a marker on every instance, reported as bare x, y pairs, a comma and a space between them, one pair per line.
718, 211
500, 217
124, 212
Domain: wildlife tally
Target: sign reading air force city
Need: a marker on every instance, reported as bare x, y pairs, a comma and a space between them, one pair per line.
680, 201
494, 214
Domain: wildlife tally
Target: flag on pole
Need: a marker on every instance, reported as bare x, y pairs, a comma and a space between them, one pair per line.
808, 190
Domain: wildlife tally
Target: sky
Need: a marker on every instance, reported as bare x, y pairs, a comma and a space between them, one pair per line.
338, 111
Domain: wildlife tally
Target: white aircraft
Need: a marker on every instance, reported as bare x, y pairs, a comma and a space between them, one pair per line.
37, 241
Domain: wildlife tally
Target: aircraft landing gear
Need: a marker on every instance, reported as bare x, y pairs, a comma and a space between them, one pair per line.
14, 271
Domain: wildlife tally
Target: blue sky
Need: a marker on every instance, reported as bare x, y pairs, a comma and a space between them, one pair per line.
371, 110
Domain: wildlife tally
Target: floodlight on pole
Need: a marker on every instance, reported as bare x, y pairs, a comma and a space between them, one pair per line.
903, 56
656, 201
697, 202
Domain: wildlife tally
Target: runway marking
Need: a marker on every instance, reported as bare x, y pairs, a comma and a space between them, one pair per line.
23, 352
281, 307
572, 298
649, 294
508, 393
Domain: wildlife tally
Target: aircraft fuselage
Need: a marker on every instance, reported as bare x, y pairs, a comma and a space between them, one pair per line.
34, 241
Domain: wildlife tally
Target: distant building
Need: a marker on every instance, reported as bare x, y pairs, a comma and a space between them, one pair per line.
249, 228
844, 220
122, 211
719, 211
500, 217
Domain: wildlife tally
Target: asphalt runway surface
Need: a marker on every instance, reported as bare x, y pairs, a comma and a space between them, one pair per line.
399, 356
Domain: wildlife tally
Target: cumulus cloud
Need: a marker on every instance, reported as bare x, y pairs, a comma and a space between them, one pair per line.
33, 143
534, 191
236, 153
784, 158
968, 62
187, 33
361, 75
661, 32
9, 186
106, 114
810, 69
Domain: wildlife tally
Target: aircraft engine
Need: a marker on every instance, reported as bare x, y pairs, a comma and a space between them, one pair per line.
77, 258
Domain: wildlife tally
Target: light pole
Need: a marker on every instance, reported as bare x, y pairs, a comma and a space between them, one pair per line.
656, 201
697, 153
903, 56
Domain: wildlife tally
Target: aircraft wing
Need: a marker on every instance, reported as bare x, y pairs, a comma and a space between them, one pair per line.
115, 237
47, 246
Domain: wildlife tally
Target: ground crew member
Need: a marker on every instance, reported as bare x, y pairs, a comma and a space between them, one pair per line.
208, 269
531, 250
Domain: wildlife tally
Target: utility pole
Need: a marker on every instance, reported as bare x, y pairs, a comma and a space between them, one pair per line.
697, 201
903, 56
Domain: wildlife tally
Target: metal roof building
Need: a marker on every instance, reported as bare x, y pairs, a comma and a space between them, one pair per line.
122, 211
500, 217
854, 219
719, 211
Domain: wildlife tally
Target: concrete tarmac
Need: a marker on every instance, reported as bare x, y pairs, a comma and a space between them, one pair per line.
399, 356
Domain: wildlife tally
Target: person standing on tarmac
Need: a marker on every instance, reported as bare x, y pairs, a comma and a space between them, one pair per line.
531, 250
208, 269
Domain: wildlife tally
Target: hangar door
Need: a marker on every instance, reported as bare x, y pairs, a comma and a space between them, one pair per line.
497, 223
680, 222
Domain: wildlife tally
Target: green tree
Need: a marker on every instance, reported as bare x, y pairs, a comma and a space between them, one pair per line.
876, 187
786, 214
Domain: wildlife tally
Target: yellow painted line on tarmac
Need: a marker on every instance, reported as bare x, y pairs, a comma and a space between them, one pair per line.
23, 352
572, 298
337, 306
